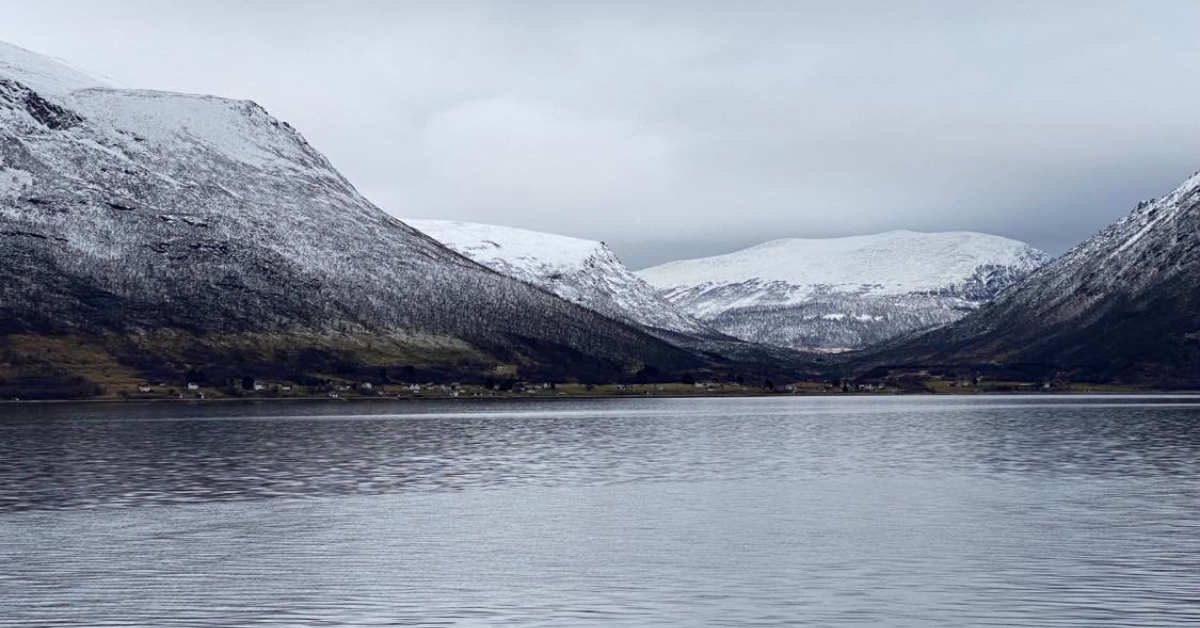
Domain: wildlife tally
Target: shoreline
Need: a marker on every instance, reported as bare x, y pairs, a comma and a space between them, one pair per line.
1012, 393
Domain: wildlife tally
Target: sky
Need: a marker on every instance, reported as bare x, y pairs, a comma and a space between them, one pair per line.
675, 129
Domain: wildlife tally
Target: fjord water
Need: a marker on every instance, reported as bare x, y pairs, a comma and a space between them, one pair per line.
1017, 511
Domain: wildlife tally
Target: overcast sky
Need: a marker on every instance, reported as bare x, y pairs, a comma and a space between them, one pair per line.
679, 129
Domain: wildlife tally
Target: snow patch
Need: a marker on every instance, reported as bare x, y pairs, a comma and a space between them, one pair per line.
585, 272
13, 181
45, 75
796, 292
896, 262
167, 121
531, 254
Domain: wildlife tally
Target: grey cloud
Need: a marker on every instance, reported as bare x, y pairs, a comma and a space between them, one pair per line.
673, 129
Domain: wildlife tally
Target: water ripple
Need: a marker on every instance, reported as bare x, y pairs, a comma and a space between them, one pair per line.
755, 512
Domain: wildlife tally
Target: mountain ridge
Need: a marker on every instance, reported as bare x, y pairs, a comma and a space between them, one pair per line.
586, 272
1122, 305
127, 214
835, 294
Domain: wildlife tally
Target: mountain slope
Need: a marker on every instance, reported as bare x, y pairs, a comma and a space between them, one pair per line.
141, 215
1123, 305
581, 271
844, 293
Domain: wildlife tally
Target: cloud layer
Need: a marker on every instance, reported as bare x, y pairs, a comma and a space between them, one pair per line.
674, 129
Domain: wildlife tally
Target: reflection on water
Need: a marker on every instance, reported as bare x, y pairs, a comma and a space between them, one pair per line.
856, 511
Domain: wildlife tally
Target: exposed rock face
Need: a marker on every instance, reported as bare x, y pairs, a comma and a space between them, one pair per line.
128, 211
840, 294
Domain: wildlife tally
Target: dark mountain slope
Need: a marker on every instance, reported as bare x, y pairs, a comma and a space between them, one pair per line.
183, 229
1123, 306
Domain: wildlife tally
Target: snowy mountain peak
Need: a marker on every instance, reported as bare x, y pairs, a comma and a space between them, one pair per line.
895, 262
1124, 305
844, 293
131, 212
238, 130
148, 122
586, 272
46, 75
1191, 184
530, 254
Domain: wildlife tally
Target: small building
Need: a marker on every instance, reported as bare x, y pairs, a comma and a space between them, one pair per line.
193, 386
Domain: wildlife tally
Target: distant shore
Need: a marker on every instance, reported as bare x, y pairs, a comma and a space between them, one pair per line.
516, 397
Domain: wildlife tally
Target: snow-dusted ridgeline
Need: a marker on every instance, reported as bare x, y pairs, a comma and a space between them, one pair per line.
131, 211
838, 294
586, 272
1125, 305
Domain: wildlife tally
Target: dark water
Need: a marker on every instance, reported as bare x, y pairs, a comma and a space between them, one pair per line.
760, 512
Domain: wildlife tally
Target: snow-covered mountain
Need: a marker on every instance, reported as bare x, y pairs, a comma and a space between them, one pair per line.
845, 293
199, 228
581, 271
1124, 304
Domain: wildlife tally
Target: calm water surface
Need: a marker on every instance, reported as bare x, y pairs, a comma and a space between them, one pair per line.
913, 511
